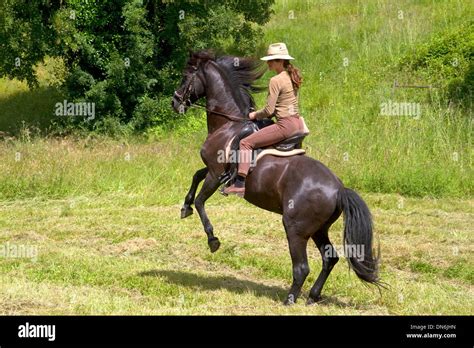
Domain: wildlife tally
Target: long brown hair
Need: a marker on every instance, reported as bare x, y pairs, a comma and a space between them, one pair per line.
294, 73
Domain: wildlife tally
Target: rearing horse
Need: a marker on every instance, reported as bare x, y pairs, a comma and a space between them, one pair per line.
303, 190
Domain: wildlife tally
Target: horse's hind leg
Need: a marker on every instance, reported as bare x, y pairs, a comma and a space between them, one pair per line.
330, 258
208, 188
299, 258
199, 176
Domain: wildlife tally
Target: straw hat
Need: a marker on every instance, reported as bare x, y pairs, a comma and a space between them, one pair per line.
277, 51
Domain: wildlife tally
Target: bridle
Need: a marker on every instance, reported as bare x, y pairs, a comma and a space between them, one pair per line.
185, 99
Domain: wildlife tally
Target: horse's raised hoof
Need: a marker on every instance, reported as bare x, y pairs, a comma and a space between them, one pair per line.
290, 301
312, 301
214, 244
186, 211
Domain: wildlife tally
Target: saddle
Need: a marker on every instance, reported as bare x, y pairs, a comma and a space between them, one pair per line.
293, 143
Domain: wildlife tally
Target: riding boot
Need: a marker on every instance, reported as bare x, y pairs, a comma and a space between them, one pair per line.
238, 188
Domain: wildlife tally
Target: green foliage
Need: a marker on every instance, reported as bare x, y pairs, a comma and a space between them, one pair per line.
51, 73
25, 33
447, 60
229, 31
119, 52
152, 112
156, 116
113, 128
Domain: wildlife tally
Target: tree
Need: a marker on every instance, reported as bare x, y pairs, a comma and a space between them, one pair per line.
122, 53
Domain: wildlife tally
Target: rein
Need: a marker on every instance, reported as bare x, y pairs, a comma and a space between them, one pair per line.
230, 117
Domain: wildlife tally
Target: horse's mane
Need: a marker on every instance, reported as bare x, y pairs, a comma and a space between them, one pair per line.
240, 73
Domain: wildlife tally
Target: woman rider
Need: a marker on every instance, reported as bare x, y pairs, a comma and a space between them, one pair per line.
282, 102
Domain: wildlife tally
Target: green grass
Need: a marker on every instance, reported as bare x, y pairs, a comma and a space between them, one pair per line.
95, 166
110, 241
21, 108
431, 155
117, 254
426, 156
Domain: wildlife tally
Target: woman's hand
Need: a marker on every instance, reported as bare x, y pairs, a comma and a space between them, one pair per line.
252, 115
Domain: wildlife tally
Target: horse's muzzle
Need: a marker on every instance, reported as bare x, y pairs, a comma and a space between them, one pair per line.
178, 105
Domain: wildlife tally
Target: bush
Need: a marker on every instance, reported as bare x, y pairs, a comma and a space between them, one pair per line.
152, 112
447, 61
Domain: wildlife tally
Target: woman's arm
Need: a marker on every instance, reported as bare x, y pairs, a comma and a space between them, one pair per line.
273, 92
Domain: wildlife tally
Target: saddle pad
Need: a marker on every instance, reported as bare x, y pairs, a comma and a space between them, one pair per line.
265, 152
275, 152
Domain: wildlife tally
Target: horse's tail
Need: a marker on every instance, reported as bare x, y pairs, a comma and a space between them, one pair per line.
358, 236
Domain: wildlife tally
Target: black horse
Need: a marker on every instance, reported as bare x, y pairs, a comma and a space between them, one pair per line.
303, 190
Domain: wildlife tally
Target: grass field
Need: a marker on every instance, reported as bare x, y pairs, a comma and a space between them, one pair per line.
102, 216
115, 255
116, 252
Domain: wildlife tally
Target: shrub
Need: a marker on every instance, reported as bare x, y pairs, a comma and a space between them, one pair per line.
447, 61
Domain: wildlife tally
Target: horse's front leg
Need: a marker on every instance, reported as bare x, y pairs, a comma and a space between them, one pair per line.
208, 188
199, 176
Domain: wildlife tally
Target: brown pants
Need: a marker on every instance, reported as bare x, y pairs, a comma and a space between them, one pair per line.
283, 129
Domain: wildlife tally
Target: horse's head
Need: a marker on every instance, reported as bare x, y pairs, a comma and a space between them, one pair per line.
193, 83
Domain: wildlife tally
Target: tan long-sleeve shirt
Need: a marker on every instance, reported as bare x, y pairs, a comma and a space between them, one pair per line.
282, 101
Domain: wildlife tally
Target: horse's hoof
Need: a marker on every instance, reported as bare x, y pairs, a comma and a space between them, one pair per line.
312, 301
290, 300
186, 211
214, 244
